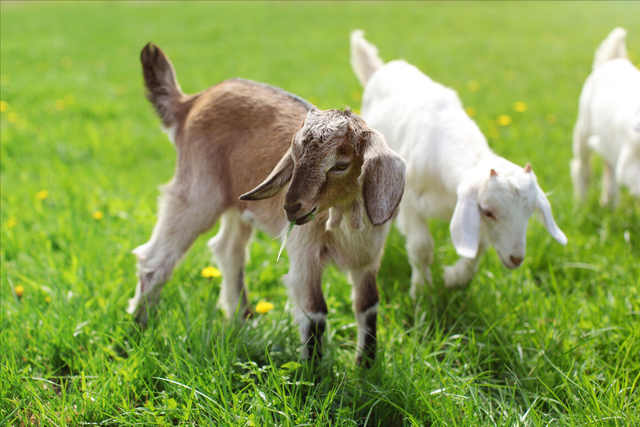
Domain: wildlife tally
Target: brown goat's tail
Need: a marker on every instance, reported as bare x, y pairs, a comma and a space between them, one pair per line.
162, 85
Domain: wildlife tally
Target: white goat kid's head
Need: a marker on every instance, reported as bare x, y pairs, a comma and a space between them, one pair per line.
499, 205
336, 158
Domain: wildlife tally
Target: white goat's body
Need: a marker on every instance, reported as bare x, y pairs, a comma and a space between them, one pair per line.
609, 122
450, 170
424, 122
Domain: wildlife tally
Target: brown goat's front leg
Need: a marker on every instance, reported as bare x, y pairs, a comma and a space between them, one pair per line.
304, 281
365, 306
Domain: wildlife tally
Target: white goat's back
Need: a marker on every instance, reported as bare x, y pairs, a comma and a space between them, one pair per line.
425, 123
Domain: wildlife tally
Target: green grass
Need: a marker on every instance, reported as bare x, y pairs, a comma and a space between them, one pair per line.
556, 342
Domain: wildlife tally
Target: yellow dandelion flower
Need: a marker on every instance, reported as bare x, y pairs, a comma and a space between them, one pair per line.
97, 215
12, 117
4, 106
551, 118
11, 222
471, 112
19, 290
509, 75
264, 307
42, 194
504, 120
48, 299
211, 272
356, 95
520, 107
59, 105
473, 86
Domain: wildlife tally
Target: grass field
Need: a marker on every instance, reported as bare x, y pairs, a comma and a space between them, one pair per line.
556, 342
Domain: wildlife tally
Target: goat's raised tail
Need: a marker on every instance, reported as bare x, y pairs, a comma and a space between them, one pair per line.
612, 47
163, 89
364, 57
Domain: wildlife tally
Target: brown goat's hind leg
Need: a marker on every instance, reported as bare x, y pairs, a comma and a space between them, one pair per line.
179, 224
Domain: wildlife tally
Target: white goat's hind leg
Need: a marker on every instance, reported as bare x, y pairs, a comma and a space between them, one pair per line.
304, 281
419, 245
229, 247
462, 272
580, 166
179, 224
365, 306
609, 195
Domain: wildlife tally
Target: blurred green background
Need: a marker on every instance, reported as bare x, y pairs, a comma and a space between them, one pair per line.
556, 341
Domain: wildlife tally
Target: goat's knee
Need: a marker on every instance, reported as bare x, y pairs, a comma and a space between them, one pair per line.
310, 309
420, 250
365, 305
460, 273
609, 195
580, 174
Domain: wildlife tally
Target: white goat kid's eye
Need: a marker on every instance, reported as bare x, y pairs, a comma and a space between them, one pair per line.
487, 213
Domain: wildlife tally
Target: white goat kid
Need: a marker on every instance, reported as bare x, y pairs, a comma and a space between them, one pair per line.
452, 174
228, 138
609, 122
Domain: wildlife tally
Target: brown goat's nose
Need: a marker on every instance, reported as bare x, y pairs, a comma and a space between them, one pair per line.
290, 209
515, 260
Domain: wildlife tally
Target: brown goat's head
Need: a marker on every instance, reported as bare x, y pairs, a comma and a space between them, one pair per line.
336, 158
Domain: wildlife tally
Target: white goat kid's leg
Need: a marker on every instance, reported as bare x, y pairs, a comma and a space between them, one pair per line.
609, 195
229, 248
365, 306
580, 166
419, 244
462, 272
179, 224
304, 281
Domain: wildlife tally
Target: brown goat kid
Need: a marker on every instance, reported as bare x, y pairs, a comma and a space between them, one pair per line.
337, 171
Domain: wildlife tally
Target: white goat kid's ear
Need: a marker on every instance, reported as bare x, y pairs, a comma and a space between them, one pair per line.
383, 179
275, 182
547, 217
465, 223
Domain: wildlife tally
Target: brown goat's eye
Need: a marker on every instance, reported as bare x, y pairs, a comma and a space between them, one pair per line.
488, 214
340, 166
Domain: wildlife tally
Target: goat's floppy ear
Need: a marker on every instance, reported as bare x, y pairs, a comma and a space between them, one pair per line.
465, 223
547, 217
382, 178
277, 179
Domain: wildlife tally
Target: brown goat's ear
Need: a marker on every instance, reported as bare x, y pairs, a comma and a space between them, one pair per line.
383, 178
277, 179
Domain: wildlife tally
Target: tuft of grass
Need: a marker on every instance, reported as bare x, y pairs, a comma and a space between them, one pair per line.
555, 342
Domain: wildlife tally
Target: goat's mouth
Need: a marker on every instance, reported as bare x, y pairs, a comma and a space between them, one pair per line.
508, 263
305, 218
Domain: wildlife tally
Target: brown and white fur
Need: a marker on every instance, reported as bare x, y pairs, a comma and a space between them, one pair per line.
228, 138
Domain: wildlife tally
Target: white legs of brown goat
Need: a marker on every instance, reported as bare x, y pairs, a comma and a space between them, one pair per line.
229, 247
180, 222
304, 281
